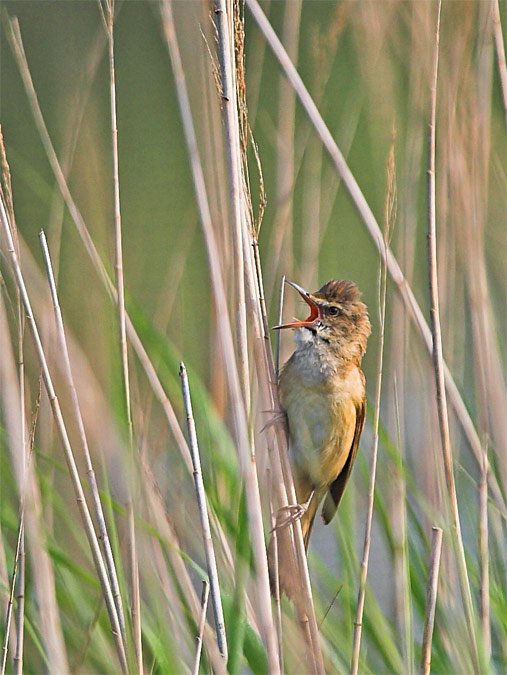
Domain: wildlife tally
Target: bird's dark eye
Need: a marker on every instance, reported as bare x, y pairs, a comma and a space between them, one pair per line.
333, 311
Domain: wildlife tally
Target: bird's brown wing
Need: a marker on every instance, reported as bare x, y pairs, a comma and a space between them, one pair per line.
337, 488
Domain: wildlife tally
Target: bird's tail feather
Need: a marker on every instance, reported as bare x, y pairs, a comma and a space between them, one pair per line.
307, 527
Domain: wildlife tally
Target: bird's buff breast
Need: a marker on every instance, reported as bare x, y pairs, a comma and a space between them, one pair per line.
321, 410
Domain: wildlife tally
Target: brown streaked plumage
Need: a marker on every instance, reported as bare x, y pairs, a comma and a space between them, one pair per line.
322, 391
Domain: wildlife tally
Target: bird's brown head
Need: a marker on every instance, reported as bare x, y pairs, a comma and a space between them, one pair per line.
337, 318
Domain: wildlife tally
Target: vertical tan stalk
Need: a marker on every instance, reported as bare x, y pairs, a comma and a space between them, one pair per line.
120, 304
382, 286
247, 460
19, 559
20, 556
271, 478
200, 628
118, 249
20, 610
6, 601
431, 599
20, 586
42, 573
373, 228
223, 22
438, 362
13, 586
92, 481
484, 556
279, 323
69, 455
209, 550
275, 577
401, 559
18, 571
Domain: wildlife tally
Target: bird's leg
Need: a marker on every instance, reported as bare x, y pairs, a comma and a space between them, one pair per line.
295, 512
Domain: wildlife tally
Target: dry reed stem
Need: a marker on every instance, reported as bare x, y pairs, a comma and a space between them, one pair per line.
279, 323
401, 562
372, 226
438, 361
431, 599
20, 548
225, 43
119, 278
275, 577
5, 596
10, 601
20, 611
487, 350
43, 585
247, 460
200, 628
92, 480
19, 563
209, 550
108, 16
484, 556
274, 533
62, 431
400, 344
230, 38
18, 569
500, 54
382, 286
42, 574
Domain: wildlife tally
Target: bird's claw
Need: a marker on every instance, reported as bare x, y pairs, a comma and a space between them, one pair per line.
295, 512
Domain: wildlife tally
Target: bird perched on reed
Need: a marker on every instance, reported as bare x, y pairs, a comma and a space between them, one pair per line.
322, 391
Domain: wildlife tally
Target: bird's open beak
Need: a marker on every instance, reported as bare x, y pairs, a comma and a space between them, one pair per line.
314, 311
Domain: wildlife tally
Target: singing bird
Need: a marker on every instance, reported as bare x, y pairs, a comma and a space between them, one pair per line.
322, 391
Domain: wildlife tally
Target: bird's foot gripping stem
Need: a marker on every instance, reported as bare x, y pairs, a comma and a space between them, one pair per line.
294, 513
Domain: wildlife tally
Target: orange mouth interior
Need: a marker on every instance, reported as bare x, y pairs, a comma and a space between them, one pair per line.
314, 311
